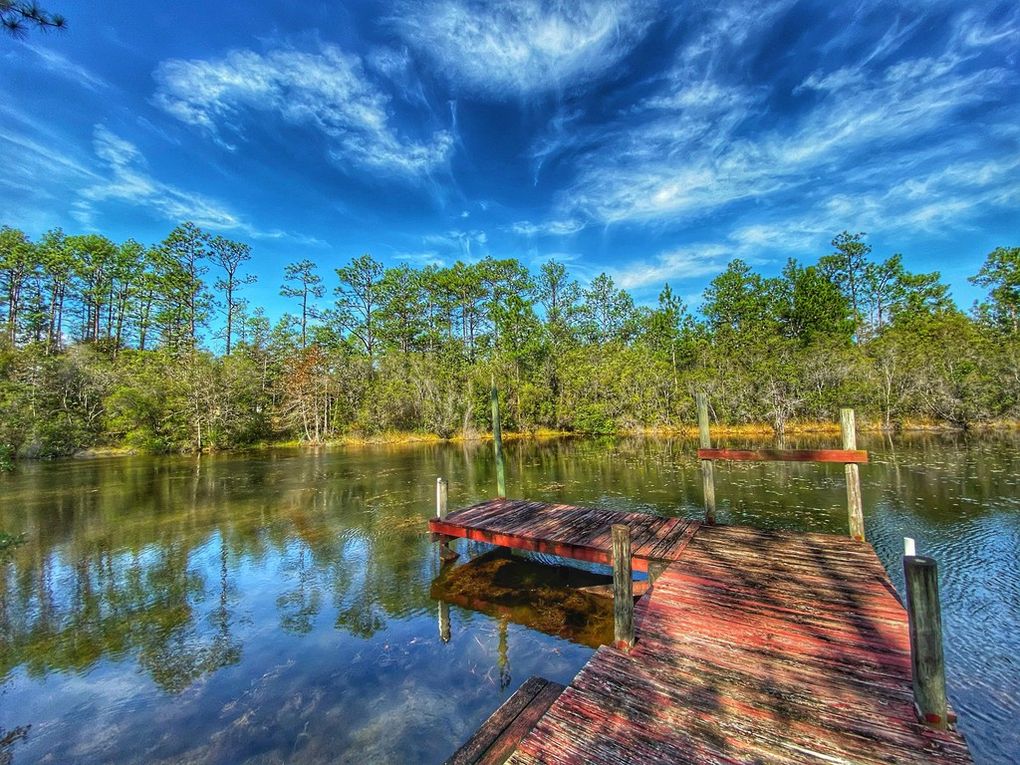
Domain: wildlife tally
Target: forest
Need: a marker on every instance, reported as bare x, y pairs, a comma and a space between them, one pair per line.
157, 348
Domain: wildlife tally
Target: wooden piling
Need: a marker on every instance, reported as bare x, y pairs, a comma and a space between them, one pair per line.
853, 476
707, 466
623, 588
927, 659
497, 443
442, 497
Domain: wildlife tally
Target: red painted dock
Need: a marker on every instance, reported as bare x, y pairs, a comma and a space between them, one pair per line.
752, 647
579, 533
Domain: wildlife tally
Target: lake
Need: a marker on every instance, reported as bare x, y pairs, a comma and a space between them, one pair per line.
278, 606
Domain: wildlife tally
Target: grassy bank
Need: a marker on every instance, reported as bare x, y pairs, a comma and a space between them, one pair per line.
686, 431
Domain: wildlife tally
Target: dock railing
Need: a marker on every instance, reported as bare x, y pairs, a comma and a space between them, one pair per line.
849, 455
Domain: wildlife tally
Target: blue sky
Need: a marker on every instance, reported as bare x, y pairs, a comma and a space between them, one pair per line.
653, 141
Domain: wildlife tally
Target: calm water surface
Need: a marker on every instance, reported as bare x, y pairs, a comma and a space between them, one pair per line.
277, 606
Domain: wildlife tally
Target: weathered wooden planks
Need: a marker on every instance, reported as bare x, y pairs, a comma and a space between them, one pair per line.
492, 743
846, 456
752, 647
580, 533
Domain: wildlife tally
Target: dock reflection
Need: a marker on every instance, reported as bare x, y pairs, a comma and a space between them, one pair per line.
520, 590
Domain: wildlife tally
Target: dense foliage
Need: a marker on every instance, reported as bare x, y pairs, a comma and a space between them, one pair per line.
108, 343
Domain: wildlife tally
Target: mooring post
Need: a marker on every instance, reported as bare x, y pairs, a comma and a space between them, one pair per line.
446, 553
442, 497
927, 660
707, 468
848, 426
497, 443
623, 588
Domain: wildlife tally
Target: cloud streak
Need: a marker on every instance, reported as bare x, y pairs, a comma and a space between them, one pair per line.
708, 143
127, 180
524, 47
327, 90
64, 67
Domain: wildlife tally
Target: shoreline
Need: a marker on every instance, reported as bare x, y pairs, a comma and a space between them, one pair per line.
398, 438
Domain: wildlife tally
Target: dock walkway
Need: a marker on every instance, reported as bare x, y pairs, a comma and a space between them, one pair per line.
752, 647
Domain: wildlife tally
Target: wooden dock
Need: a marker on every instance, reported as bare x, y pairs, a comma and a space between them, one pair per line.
751, 647
579, 533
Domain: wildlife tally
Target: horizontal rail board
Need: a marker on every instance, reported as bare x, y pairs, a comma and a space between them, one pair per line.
785, 455
583, 553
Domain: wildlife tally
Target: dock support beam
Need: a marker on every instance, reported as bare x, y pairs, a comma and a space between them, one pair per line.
623, 588
497, 443
707, 467
927, 659
848, 426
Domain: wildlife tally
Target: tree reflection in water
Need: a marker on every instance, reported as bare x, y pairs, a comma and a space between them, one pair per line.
277, 606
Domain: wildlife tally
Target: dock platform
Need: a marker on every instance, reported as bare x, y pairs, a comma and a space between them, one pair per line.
752, 647
578, 533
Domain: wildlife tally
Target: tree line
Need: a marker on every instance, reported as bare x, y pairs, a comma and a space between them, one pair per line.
158, 347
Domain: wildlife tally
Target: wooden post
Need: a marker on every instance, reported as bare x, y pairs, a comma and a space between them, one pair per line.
623, 588
442, 497
853, 476
707, 467
928, 662
497, 443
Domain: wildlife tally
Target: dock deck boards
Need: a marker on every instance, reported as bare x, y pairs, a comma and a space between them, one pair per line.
581, 533
752, 647
495, 741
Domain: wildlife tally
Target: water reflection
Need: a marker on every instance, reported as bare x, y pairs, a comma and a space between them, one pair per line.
542, 597
279, 606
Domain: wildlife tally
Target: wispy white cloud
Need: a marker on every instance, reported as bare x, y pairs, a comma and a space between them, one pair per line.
455, 243
61, 65
422, 258
707, 141
561, 227
953, 195
537, 259
924, 202
675, 265
327, 90
38, 167
521, 47
126, 179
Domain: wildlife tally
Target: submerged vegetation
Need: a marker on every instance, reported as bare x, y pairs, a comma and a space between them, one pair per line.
7, 541
157, 348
